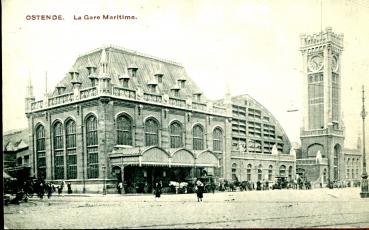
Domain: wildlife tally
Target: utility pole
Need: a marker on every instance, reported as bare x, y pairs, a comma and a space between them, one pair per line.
364, 181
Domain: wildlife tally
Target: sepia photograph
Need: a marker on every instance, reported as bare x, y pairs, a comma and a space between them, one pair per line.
185, 114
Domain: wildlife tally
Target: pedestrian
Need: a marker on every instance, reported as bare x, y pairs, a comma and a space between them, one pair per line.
69, 185
199, 190
158, 187
49, 190
120, 186
60, 188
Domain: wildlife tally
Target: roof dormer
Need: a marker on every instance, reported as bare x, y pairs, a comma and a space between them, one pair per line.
124, 80
152, 86
175, 90
182, 82
75, 77
159, 77
60, 88
197, 96
132, 70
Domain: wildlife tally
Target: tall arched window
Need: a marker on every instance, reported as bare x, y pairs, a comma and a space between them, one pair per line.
217, 140
151, 132
248, 172
198, 137
58, 151
40, 152
282, 170
260, 173
124, 130
176, 135
290, 169
234, 172
270, 172
70, 136
92, 147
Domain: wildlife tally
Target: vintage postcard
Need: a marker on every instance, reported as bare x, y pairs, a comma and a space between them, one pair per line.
185, 114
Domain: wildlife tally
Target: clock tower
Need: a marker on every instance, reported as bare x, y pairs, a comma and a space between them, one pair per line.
322, 134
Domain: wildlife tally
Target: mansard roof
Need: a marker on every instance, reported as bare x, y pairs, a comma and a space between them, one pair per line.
120, 59
15, 140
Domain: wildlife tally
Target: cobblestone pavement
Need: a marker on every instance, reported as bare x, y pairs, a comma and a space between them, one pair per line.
274, 208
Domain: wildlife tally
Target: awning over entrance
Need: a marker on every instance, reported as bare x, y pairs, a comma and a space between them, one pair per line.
156, 156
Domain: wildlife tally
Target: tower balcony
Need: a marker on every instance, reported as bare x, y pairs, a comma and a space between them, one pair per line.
321, 132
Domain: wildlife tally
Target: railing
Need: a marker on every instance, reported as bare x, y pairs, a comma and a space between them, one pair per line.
152, 97
90, 92
177, 102
217, 109
199, 106
37, 105
279, 157
121, 92
60, 99
311, 161
321, 132
125, 93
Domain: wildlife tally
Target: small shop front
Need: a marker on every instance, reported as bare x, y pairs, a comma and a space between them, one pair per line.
143, 167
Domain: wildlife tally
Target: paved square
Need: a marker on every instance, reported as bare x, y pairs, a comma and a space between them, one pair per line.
274, 208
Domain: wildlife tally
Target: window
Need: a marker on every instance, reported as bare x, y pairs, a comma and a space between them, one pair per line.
260, 173
92, 147
217, 140
40, 152
151, 132
26, 160
270, 172
70, 135
153, 88
248, 172
124, 130
325, 175
176, 93
58, 151
125, 82
176, 135
282, 170
234, 172
198, 138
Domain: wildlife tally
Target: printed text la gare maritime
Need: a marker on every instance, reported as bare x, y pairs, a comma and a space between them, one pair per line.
104, 17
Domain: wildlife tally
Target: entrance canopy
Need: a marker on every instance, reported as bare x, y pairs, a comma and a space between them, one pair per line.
157, 156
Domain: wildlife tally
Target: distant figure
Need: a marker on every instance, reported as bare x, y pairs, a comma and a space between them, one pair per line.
212, 186
69, 185
158, 187
49, 190
120, 186
199, 190
60, 188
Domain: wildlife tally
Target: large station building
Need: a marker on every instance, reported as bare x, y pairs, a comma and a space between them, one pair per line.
122, 115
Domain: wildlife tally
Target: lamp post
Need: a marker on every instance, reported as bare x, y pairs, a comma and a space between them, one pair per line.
364, 181
104, 188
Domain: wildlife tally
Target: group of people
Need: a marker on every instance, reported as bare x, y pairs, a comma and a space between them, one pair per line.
199, 188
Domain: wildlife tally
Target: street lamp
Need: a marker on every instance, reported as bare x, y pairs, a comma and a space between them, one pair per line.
364, 181
104, 188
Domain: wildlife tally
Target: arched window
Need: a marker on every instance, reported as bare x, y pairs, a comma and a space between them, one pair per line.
260, 173
92, 147
290, 169
151, 132
58, 151
198, 137
234, 172
40, 152
70, 136
124, 130
336, 155
270, 172
176, 135
282, 170
249, 166
217, 140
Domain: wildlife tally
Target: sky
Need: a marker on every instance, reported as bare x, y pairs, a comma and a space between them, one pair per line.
251, 45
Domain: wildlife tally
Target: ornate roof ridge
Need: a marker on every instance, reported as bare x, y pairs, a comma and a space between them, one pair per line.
132, 52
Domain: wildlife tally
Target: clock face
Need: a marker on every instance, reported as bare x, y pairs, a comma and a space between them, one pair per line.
334, 63
316, 63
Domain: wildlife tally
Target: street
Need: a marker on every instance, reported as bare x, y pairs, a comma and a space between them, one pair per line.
249, 209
